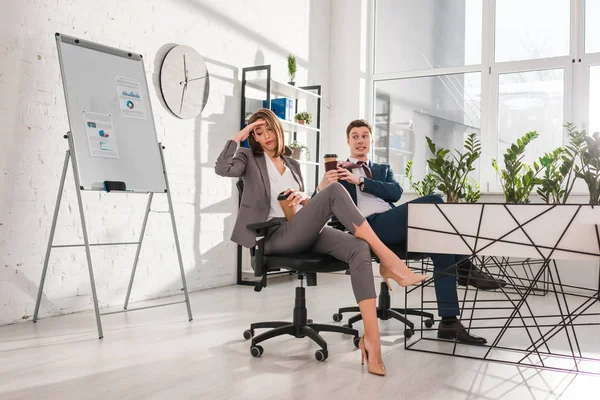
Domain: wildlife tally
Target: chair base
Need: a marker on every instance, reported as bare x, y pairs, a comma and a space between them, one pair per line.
300, 327
385, 312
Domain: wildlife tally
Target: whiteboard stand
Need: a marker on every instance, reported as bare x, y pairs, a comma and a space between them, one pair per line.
71, 153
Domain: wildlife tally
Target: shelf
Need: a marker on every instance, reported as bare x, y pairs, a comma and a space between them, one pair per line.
296, 127
282, 89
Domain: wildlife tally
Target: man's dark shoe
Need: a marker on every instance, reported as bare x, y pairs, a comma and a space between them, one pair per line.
477, 278
455, 330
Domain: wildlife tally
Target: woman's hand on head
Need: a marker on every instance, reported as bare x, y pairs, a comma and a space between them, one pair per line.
296, 197
244, 133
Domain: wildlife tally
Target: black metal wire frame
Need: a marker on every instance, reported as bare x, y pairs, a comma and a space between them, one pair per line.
538, 353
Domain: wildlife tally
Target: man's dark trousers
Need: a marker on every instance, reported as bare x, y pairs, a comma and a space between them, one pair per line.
391, 228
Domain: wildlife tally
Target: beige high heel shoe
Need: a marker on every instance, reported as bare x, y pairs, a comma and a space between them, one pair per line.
412, 280
375, 369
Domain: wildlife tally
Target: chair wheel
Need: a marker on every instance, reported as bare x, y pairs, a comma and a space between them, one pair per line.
248, 334
429, 323
256, 351
337, 317
347, 326
408, 333
321, 355
356, 341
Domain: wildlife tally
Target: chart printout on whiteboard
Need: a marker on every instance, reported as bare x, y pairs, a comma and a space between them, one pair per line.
101, 135
129, 93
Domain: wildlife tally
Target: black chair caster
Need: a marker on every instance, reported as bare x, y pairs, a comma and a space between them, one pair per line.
256, 351
321, 355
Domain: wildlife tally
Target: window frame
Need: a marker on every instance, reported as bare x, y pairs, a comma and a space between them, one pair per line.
576, 66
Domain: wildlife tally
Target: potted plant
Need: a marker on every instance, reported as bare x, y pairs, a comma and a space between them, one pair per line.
472, 191
297, 149
557, 180
518, 179
291, 63
550, 184
423, 187
451, 172
303, 117
590, 167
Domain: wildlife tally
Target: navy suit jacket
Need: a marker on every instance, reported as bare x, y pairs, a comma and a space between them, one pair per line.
383, 184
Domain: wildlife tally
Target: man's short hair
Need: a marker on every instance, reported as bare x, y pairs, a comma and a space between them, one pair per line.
358, 123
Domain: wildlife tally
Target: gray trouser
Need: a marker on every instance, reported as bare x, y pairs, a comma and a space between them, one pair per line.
307, 231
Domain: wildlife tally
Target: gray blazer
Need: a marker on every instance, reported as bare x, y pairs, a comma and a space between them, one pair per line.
256, 198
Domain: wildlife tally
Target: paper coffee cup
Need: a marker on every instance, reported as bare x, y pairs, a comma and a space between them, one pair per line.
288, 211
330, 161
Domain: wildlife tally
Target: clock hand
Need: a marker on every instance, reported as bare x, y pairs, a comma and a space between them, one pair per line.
195, 79
185, 69
183, 97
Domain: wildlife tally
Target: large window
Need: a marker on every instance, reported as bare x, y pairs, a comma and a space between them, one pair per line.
524, 32
595, 98
531, 101
502, 68
427, 34
592, 26
445, 108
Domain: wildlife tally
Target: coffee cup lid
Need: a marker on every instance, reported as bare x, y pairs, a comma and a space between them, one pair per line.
330, 156
282, 196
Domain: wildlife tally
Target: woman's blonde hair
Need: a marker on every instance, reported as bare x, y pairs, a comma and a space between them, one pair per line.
273, 123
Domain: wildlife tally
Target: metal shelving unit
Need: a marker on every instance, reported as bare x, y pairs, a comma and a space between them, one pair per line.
261, 88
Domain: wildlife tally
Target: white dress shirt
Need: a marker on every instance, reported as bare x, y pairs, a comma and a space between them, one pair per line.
367, 203
279, 183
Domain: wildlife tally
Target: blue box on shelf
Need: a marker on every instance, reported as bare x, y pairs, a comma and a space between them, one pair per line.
282, 107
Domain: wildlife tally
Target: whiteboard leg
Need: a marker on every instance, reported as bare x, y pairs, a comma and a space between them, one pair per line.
87, 246
137, 253
183, 280
51, 238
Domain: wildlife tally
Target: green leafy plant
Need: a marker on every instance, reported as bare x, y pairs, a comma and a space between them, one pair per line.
472, 191
451, 172
590, 167
560, 168
518, 179
423, 187
569, 168
550, 184
297, 150
291, 64
303, 116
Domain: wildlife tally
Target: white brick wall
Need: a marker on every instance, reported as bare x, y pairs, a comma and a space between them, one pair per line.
231, 34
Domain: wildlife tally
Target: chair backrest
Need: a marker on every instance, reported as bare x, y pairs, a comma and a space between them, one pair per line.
240, 187
257, 267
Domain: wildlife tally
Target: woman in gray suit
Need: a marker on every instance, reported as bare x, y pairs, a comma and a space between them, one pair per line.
267, 172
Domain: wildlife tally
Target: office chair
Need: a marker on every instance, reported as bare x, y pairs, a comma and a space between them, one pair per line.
385, 310
304, 265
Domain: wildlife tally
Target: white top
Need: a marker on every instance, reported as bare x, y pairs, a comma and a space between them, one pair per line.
279, 183
367, 203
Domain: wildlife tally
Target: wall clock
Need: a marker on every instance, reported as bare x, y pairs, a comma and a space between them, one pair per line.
184, 82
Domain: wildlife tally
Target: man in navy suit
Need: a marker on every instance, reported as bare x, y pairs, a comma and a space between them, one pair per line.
374, 191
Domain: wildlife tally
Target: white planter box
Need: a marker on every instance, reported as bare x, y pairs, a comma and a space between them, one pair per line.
560, 232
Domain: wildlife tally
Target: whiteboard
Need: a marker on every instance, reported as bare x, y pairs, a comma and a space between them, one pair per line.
110, 116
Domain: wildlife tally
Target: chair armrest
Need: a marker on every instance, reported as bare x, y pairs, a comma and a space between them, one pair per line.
258, 226
258, 251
